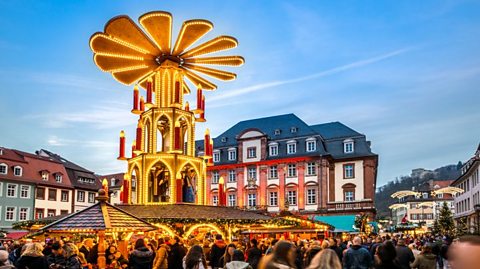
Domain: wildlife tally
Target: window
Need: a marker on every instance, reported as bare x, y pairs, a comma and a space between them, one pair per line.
24, 191
232, 154
292, 170
251, 152
91, 197
349, 170
215, 177
277, 132
311, 196
232, 200
349, 196
273, 171
80, 196
293, 130
216, 157
10, 213
11, 190
232, 176
292, 197
273, 198
291, 148
17, 171
215, 200
58, 178
64, 196
50, 212
40, 194
311, 145
311, 169
273, 150
23, 214
252, 173
223, 139
3, 169
252, 199
63, 212
44, 175
52, 194
39, 213
425, 195
112, 182
440, 195
348, 146
413, 205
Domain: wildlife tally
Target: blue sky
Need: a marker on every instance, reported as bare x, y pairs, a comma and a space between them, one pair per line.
405, 73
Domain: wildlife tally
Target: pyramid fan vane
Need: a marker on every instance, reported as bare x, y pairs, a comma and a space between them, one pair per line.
132, 53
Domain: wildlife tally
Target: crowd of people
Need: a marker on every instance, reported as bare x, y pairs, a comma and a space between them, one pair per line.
355, 252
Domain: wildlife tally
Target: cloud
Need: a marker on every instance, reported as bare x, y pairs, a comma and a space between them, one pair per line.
56, 141
332, 71
106, 116
72, 81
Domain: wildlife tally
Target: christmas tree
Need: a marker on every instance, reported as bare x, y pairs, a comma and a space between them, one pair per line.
445, 220
462, 228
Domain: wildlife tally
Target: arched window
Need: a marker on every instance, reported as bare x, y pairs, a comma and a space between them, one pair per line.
349, 192
3, 168
348, 146
17, 171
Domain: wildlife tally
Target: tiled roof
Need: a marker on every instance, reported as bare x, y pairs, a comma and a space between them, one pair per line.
99, 217
186, 211
117, 176
333, 130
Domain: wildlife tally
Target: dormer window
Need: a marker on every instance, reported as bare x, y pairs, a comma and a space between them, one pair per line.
311, 144
291, 147
17, 171
251, 152
112, 182
3, 168
273, 149
45, 175
216, 157
348, 146
277, 132
232, 154
293, 130
58, 177
224, 140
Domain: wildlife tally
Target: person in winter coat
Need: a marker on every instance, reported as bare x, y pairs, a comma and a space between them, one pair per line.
404, 254
161, 259
195, 259
227, 257
385, 256
32, 257
141, 257
57, 258
326, 259
357, 257
425, 260
283, 256
73, 261
177, 252
4, 260
238, 261
311, 252
217, 251
254, 254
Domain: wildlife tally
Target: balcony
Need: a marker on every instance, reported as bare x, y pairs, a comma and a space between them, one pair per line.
350, 206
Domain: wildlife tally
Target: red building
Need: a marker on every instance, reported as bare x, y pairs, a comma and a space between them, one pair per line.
280, 162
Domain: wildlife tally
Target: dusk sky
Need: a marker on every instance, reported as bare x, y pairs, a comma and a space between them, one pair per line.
404, 73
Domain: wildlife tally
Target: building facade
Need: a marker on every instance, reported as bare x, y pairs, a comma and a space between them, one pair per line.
115, 187
86, 184
424, 207
17, 191
467, 204
281, 163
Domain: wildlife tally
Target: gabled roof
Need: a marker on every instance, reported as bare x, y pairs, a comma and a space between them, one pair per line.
334, 130
101, 216
188, 211
68, 164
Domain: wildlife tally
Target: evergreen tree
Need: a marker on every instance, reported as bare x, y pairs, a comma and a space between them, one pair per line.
462, 228
435, 228
445, 220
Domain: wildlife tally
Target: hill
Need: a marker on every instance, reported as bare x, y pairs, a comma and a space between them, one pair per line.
415, 179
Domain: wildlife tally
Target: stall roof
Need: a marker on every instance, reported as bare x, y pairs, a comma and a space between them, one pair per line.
342, 223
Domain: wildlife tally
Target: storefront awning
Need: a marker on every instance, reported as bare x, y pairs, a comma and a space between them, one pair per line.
15, 235
342, 223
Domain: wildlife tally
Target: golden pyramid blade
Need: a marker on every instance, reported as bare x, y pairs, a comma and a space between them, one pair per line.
123, 28
186, 89
198, 80
217, 44
158, 24
215, 73
111, 63
218, 60
131, 76
106, 45
191, 31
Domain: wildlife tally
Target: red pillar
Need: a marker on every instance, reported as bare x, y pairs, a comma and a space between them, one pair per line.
301, 185
149, 91
135, 99
121, 154
179, 191
138, 146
